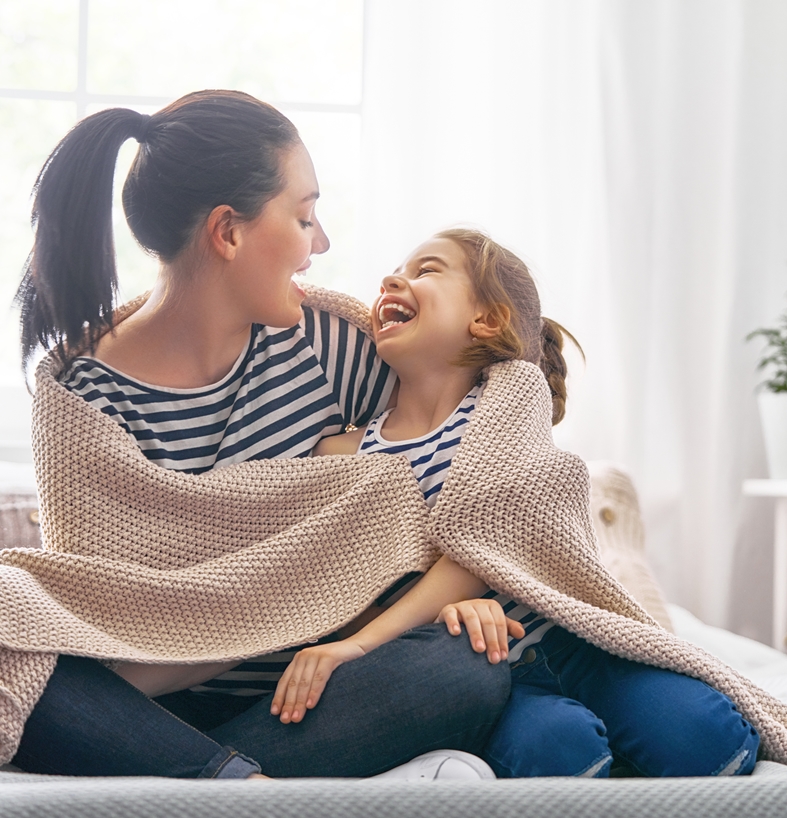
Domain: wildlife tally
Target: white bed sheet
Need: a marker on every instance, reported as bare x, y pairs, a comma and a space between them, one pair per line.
762, 664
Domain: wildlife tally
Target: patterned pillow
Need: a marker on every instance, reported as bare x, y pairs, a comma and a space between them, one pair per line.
19, 521
621, 536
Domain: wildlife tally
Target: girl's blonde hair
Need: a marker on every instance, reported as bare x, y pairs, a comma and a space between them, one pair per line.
503, 284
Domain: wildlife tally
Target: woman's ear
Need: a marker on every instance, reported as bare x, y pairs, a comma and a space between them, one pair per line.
487, 323
223, 231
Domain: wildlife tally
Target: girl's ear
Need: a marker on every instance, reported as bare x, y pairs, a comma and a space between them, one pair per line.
223, 231
489, 322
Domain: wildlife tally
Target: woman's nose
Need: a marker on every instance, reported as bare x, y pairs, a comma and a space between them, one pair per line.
320, 240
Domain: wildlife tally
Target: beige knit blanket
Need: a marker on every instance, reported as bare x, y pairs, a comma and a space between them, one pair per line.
153, 565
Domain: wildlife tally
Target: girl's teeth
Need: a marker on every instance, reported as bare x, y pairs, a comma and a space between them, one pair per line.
394, 306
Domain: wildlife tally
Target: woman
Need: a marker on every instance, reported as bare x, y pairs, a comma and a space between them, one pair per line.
223, 192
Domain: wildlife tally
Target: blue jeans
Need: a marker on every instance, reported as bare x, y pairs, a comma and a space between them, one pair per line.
424, 691
574, 708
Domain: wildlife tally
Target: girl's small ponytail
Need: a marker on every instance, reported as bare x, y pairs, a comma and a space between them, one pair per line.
553, 364
69, 280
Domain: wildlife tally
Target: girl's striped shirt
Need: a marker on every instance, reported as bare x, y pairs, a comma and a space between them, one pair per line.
430, 457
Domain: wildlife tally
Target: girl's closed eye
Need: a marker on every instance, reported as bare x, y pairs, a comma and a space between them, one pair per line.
305, 224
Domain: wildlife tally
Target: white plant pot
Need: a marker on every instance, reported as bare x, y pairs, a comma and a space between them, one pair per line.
773, 414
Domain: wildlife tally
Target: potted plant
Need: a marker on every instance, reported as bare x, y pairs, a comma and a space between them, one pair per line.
772, 396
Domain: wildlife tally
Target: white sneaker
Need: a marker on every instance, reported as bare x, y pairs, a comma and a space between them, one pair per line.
441, 765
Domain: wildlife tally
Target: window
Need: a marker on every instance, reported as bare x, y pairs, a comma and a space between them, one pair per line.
63, 59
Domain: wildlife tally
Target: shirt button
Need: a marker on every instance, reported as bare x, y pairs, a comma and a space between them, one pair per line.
529, 657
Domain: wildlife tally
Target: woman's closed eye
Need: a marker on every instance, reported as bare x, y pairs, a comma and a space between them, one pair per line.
424, 270
305, 225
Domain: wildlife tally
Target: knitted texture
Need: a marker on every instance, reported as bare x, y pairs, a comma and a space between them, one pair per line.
621, 537
147, 564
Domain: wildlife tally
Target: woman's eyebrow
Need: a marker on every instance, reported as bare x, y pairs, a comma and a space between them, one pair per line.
311, 197
432, 258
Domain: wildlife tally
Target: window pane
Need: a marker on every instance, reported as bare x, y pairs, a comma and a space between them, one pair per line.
38, 44
136, 269
334, 141
29, 130
299, 51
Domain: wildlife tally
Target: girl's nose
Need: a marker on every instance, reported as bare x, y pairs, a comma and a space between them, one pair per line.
392, 282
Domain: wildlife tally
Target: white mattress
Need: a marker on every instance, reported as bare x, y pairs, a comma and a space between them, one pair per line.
765, 666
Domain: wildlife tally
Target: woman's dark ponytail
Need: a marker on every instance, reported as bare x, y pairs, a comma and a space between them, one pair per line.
69, 280
206, 149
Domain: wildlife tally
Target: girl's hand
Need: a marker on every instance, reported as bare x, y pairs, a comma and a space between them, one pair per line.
303, 682
487, 626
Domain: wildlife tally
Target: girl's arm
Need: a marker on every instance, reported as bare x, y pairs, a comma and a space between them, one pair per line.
347, 443
445, 583
156, 680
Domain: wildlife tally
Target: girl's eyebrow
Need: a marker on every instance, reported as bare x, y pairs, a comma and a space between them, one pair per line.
421, 260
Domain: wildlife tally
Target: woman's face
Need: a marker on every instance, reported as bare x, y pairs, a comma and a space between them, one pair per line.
426, 308
277, 245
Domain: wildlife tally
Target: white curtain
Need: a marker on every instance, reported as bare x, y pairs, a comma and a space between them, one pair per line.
635, 152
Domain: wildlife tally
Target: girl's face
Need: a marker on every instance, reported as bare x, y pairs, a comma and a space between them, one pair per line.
426, 309
277, 245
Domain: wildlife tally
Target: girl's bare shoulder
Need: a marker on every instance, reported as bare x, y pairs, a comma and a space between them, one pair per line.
346, 443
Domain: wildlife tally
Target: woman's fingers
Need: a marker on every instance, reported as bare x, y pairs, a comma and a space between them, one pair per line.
486, 624
515, 629
450, 616
501, 631
475, 630
490, 625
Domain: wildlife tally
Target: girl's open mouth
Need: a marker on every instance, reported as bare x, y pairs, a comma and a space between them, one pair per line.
391, 313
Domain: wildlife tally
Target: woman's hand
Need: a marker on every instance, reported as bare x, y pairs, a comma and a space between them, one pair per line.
487, 626
303, 682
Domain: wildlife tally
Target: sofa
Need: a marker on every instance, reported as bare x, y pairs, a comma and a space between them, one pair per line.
621, 538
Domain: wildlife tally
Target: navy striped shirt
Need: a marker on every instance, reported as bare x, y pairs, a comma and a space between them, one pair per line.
289, 388
430, 457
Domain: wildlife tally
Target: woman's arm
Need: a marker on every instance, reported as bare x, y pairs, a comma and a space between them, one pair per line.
445, 583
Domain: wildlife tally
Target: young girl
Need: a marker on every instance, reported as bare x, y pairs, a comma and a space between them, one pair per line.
459, 303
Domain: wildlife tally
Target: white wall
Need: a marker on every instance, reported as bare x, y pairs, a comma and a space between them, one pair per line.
635, 153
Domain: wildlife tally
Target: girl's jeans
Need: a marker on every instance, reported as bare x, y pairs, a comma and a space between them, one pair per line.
424, 691
575, 708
